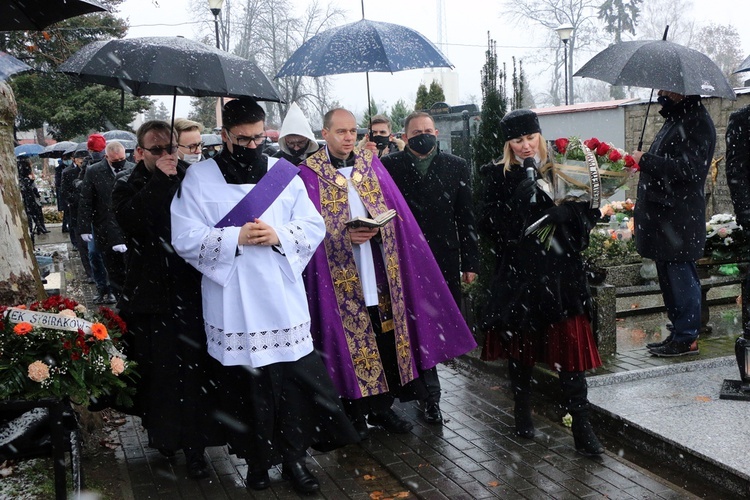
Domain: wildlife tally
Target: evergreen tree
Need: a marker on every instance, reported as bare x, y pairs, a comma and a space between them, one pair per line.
422, 98
487, 143
619, 16
157, 112
399, 112
435, 94
203, 110
365, 123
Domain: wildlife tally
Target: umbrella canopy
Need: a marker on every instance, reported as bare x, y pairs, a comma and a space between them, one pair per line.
57, 150
211, 140
169, 66
119, 135
745, 66
128, 144
658, 64
28, 150
38, 14
81, 146
9, 66
363, 46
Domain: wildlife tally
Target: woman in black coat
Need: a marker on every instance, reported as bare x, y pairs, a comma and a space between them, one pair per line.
161, 304
539, 305
31, 198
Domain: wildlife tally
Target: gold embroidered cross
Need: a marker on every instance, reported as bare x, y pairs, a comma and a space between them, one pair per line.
346, 280
365, 357
369, 190
334, 201
403, 346
392, 267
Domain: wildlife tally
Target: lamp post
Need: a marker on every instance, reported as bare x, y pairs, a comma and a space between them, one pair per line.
215, 6
565, 31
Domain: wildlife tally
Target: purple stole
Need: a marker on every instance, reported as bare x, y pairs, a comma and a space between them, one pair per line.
257, 201
360, 337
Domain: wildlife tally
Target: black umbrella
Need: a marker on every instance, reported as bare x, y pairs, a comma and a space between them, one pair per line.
658, 64
38, 14
9, 66
57, 149
119, 135
745, 66
363, 46
169, 66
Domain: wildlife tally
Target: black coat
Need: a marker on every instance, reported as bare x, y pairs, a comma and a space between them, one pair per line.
670, 210
69, 189
95, 205
441, 202
738, 164
161, 301
532, 287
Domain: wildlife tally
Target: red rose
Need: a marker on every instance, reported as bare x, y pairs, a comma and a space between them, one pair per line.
602, 149
562, 145
630, 163
614, 155
592, 143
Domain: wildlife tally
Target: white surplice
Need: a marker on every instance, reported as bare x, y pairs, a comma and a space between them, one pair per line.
254, 303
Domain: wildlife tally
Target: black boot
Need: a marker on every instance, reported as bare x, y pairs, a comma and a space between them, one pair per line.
520, 378
302, 479
196, 463
575, 392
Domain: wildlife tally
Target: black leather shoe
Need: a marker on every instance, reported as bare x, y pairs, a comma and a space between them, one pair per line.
676, 348
389, 421
431, 413
302, 479
654, 345
257, 480
196, 463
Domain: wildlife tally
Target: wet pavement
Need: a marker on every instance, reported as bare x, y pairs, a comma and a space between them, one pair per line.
662, 429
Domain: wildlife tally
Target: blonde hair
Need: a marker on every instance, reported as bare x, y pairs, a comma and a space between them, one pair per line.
510, 159
184, 125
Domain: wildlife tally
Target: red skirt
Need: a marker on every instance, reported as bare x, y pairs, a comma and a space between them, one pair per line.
566, 346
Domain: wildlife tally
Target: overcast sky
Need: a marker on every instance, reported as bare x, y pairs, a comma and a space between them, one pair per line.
466, 26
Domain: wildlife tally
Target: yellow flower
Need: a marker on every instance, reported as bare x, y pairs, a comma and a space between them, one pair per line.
22, 328
38, 371
99, 331
117, 365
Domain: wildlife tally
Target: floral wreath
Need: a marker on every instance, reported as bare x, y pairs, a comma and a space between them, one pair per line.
607, 156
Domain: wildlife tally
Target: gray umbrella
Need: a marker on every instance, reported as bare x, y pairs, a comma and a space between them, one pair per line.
745, 66
658, 64
211, 140
57, 149
119, 135
9, 66
38, 14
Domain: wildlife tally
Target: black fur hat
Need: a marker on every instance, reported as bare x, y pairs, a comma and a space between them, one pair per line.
519, 122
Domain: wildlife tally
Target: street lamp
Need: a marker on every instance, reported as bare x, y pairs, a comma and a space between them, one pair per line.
215, 6
565, 31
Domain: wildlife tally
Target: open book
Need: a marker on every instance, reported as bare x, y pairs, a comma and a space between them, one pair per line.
379, 221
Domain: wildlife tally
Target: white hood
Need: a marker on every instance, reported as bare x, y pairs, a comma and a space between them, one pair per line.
296, 123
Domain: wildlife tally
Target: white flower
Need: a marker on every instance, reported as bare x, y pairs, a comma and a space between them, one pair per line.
67, 313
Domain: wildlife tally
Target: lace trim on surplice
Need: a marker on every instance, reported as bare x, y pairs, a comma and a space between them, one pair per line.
255, 342
210, 251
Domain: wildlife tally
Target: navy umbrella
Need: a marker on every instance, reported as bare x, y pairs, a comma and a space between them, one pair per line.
9, 66
28, 150
38, 14
363, 46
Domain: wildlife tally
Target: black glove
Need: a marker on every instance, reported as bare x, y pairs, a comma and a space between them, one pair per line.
523, 193
558, 214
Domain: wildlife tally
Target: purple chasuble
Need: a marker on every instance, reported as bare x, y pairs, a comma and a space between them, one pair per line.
428, 324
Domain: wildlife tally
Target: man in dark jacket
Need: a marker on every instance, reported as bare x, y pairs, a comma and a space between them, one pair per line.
670, 213
738, 178
70, 192
95, 214
161, 304
437, 187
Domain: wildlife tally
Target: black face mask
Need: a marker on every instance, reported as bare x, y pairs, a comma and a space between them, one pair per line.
297, 152
423, 143
666, 102
118, 165
381, 141
246, 156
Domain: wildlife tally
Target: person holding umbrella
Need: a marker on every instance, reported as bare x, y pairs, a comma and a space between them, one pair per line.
539, 307
670, 214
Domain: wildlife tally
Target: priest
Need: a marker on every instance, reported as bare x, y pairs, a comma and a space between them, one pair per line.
380, 308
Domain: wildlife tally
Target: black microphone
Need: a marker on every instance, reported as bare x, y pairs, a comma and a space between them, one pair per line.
530, 165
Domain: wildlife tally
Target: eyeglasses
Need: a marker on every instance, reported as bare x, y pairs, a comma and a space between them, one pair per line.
243, 141
160, 150
297, 143
195, 148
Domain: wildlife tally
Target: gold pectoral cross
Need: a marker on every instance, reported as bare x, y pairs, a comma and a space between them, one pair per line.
369, 190
334, 201
403, 346
365, 357
345, 279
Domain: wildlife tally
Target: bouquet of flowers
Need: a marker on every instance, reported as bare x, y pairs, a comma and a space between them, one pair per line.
725, 238
57, 348
590, 170
620, 209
